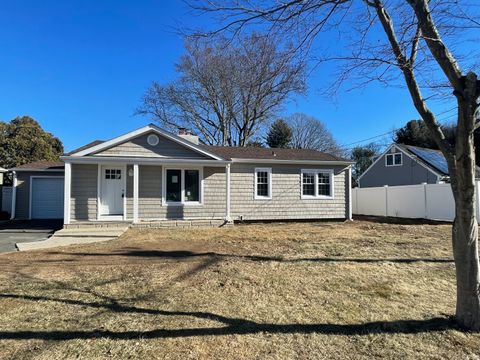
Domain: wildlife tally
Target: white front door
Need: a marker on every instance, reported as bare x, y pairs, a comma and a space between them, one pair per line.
112, 190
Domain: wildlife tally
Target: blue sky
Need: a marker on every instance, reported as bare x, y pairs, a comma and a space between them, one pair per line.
80, 68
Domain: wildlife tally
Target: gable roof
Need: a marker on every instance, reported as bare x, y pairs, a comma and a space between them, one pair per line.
431, 159
41, 166
89, 149
255, 153
89, 145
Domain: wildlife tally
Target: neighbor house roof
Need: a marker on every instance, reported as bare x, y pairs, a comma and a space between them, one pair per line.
2, 170
431, 158
41, 166
256, 153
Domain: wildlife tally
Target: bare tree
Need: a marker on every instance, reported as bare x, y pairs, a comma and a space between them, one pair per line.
226, 90
310, 133
413, 48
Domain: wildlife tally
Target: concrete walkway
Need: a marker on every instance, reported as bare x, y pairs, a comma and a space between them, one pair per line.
67, 237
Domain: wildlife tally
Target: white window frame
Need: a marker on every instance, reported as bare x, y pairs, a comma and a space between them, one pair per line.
182, 186
393, 161
269, 177
330, 173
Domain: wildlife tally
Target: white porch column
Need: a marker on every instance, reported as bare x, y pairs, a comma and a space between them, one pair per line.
135, 193
14, 195
227, 204
67, 186
350, 217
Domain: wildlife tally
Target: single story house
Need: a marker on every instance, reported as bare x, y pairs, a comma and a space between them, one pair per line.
406, 165
151, 175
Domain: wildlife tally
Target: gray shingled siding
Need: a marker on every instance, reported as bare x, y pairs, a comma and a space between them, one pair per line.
22, 207
409, 173
139, 147
286, 202
150, 196
83, 203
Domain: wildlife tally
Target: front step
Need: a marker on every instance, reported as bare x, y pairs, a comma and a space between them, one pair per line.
97, 225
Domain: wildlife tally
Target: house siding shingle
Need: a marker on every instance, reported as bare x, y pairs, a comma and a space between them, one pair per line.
139, 147
286, 202
83, 203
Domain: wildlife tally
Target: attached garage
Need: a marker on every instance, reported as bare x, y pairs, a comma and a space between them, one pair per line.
38, 191
46, 197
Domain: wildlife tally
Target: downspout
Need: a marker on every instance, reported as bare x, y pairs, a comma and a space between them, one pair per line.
14, 195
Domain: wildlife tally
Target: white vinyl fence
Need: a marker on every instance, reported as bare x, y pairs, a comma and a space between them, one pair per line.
6, 198
424, 201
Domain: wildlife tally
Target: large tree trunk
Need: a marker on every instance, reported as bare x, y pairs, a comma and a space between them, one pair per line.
465, 228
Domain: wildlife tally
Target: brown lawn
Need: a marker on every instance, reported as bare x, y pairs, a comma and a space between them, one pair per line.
272, 291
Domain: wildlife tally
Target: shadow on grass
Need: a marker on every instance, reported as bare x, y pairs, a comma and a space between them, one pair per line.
232, 326
181, 254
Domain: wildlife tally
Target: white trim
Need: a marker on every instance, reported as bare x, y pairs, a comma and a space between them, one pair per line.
67, 193
14, 195
99, 189
269, 179
305, 162
99, 184
37, 170
153, 139
66, 199
142, 161
416, 159
182, 186
228, 218
141, 131
349, 174
393, 159
331, 174
135, 193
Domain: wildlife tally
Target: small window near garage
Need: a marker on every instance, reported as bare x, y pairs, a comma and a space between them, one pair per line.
263, 183
393, 159
317, 184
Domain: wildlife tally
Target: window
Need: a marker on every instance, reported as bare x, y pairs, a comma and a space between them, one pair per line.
113, 174
308, 182
324, 188
152, 140
317, 183
192, 185
263, 183
174, 185
393, 159
182, 186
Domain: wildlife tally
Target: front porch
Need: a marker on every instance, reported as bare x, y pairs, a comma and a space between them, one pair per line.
103, 192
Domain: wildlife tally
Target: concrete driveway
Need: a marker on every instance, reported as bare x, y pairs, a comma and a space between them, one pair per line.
18, 231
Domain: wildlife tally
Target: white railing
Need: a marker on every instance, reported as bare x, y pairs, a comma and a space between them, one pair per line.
424, 201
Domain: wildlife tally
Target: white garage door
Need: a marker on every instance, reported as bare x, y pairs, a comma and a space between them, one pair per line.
47, 198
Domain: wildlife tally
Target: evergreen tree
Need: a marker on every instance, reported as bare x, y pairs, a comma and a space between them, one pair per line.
279, 135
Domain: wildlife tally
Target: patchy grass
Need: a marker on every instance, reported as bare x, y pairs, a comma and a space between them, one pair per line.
277, 291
